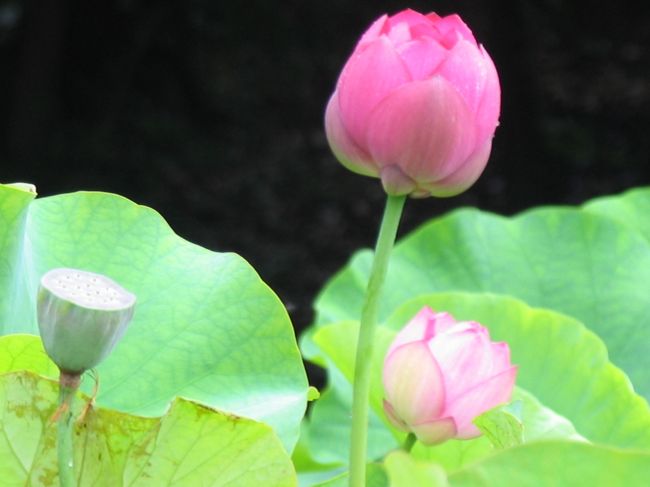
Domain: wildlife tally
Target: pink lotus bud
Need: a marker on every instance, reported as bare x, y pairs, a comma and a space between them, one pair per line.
417, 105
440, 374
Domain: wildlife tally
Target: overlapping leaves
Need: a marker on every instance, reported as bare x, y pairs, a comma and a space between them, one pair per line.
590, 264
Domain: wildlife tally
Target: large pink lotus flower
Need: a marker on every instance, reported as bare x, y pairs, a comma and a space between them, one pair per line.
439, 374
417, 105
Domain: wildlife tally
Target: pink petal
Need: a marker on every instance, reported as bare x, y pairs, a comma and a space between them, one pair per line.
427, 30
367, 78
378, 27
466, 69
413, 384
452, 28
423, 327
409, 17
395, 182
399, 32
475, 401
435, 432
463, 177
424, 127
464, 354
487, 117
443, 322
419, 328
501, 354
393, 418
422, 56
344, 148
419, 25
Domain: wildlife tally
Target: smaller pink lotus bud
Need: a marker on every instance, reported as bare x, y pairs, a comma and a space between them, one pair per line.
416, 104
440, 374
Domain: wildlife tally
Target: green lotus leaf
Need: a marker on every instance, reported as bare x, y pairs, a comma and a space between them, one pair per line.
502, 428
549, 463
206, 327
14, 205
190, 445
375, 477
25, 352
558, 464
405, 471
630, 208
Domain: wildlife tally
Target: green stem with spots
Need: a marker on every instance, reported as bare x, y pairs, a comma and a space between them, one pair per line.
365, 344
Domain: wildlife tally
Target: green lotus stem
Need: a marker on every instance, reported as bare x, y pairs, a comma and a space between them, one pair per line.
68, 385
410, 440
365, 344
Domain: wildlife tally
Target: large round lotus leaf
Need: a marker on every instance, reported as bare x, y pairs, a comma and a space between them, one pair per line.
206, 327
587, 265
190, 445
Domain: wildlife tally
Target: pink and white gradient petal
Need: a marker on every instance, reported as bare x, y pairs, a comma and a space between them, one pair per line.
501, 354
480, 398
393, 418
420, 326
464, 353
413, 384
435, 432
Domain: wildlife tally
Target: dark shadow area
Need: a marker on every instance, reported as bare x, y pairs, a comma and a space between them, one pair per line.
211, 113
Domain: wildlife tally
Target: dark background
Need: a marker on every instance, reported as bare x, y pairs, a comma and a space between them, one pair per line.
211, 112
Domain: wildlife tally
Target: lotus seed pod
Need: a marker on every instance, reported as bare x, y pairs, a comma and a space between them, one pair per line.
81, 316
